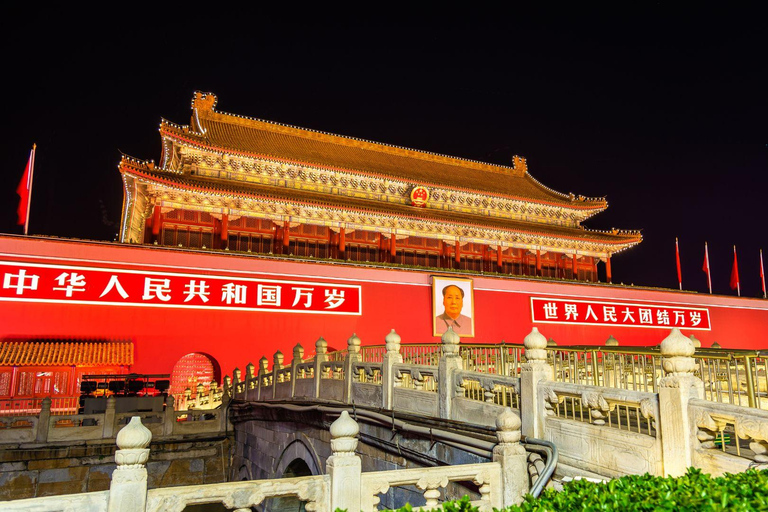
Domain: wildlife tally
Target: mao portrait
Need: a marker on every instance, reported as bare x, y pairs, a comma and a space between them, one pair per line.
452, 306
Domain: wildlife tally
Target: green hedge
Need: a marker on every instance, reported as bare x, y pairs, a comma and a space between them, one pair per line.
695, 491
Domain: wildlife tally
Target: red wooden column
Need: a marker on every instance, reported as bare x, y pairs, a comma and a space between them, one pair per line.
393, 249
608, 268
594, 270
286, 236
538, 262
156, 223
458, 255
342, 243
499, 258
575, 268
484, 258
379, 238
224, 231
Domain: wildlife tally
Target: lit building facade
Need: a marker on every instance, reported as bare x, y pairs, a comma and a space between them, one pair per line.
235, 183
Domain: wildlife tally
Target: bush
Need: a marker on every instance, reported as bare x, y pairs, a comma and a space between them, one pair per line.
695, 491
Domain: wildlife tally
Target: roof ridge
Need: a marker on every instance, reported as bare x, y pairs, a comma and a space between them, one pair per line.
201, 103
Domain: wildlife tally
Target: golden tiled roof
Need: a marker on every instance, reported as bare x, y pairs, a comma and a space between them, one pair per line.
256, 137
65, 353
344, 203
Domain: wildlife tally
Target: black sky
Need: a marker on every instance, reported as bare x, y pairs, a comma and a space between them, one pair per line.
661, 110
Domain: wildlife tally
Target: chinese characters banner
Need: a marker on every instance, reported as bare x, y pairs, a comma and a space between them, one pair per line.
563, 311
30, 282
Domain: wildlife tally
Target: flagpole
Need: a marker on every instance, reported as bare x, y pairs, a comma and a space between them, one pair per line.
736, 266
762, 272
679, 272
29, 187
709, 276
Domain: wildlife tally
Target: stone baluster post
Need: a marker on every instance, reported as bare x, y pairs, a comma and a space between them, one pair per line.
228, 385
277, 365
675, 391
128, 489
44, 421
223, 410
109, 417
169, 419
353, 356
391, 358
512, 457
344, 466
236, 380
263, 370
199, 394
321, 356
534, 370
298, 358
449, 365
250, 382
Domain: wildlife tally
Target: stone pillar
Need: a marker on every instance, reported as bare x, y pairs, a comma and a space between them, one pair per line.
344, 467
511, 455
44, 421
321, 356
534, 370
353, 356
250, 383
391, 358
450, 363
169, 419
128, 489
675, 391
109, 417
277, 364
298, 358
263, 371
237, 376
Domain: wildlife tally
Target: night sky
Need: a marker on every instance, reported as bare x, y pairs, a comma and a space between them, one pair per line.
662, 111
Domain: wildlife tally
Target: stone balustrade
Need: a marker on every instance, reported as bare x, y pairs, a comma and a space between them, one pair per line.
46, 427
344, 486
601, 429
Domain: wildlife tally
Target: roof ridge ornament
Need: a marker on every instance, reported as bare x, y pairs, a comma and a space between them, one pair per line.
520, 164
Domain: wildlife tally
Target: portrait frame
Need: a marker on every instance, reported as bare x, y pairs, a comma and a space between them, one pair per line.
439, 320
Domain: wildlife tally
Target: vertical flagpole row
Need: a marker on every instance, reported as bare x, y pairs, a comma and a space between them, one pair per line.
29, 186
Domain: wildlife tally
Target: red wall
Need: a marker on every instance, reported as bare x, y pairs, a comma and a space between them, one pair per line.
399, 299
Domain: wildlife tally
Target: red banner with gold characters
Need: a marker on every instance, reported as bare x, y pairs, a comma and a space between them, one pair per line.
583, 312
34, 282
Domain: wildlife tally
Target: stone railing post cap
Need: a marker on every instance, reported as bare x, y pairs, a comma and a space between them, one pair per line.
508, 420
134, 435
344, 426
535, 339
353, 340
677, 344
450, 337
392, 337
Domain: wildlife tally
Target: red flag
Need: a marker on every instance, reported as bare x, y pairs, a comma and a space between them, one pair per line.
735, 273
705, 268
25, 191
762, 272
679, 272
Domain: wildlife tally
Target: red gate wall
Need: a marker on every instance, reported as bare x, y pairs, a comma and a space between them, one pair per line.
399, 299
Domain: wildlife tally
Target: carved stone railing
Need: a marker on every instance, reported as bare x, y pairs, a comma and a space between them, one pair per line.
502, 482
90, 427
620, 409
728, 438
609, 400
